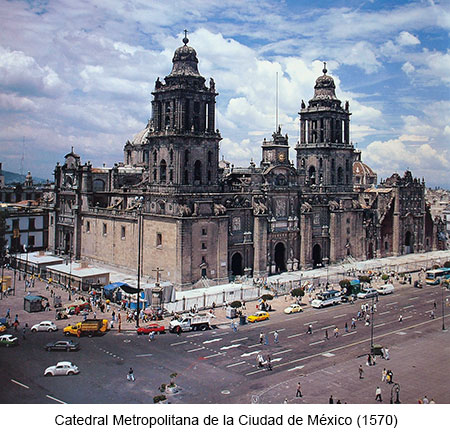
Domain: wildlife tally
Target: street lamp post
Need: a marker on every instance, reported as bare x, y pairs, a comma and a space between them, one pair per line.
26, 248
139, 206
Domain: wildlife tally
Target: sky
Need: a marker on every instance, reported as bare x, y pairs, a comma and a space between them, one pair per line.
80, 74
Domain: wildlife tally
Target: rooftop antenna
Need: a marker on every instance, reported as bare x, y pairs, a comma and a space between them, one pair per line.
22, 159
276, 105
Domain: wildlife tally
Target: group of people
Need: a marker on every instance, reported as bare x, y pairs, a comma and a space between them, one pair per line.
264, 363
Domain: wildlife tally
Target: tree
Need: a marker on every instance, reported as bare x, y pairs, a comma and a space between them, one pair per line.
298, 292
236, 304
364, 279
344, 283
447, 264
267, 297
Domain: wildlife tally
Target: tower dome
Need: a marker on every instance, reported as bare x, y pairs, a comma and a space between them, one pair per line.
324, 90
185, 61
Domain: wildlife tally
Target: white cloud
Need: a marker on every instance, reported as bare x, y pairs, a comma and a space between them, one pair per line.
407, 39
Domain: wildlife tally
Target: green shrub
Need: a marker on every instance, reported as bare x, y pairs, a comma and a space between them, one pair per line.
298, 292
158, 398
236, 304
267, 297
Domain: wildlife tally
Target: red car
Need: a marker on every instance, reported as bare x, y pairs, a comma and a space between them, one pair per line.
151, 328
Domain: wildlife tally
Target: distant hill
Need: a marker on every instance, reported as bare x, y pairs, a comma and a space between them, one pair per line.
12, 177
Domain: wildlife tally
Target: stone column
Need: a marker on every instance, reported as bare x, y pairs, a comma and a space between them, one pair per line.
260, 246
305, 239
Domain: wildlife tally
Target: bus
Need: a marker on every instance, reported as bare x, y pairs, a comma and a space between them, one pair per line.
327, 298
435, 276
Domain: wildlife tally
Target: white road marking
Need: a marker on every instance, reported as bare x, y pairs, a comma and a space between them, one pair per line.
279, 330
293, 336
401, 333
254, 372
328, 354
296, 368
385, 313
240, 339
390, 304
349, 333
281, 352
254, 345
249, 354
407, 307
53, 398
212, 340
212, 355
227, 347
339, 316
414, 298
327, 327
312, 322
194, 336
380, 325
196, 349
178, 343
236, 364
407, 317
21, 384
277, 359
144, 355
317, 342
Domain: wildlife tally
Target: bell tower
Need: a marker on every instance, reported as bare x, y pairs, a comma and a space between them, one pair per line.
183, 145
324, 153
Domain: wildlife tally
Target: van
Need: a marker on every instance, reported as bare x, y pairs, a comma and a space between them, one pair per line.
386, 289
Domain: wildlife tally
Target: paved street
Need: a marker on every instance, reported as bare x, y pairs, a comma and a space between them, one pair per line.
219, 365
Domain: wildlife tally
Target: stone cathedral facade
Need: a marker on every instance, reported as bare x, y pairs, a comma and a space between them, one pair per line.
203, 221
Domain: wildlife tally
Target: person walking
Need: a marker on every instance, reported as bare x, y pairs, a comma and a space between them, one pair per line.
432, 314
130, 375
331, 400
400, 318
346, 328
326, 334
299, 390
309, 331
266, 339
151, 336
378, 394
336, 332
425, 400
353, 326
386, 353
269, 363
275, 337
361, 372
383, 375
261, 337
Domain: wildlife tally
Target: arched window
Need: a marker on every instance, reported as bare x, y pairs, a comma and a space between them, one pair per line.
163, 171
171, 156
312, 174
155, 157
198, 172
186, 157
340, 175
98, 185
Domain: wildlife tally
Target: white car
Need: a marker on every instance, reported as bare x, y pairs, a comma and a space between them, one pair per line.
44, 326
62, 369
293, 308
367, 293
386, 289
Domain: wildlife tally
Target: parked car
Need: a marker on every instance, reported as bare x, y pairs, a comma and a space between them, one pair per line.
293, 308
8, 340
63, 345
62, 369
367, 293
258, 316
2, 328
151, 328
386, 289
44, 326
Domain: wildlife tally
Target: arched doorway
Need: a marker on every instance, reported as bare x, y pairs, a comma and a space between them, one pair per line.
408, 243
280, 257
236, 264
370, 252
317, 256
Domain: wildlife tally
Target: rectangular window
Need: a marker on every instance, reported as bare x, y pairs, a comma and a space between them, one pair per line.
31, 224
122, 232
105, 229
204, 232
88, 227
203, 245
158, 240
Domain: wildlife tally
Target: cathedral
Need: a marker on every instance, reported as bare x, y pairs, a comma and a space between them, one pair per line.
174, 206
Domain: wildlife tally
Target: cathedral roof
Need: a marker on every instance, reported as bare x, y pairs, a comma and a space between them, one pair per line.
362, 169
140, 137
185, 62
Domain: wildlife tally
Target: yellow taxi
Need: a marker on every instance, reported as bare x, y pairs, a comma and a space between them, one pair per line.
2, 328
293, 308
258, 316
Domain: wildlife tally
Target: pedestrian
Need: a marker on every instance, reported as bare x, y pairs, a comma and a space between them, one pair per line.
425, 400
151, 336
361, 372
260, 360
326, 334
309, 331
330, 400
275, 337
113, 315
8, 313
285, 401
400, 318
120, 325
111, 325
386, 353
95, 315
353, 323
24, 331
336, 332
346, 328
266, 339
299, 390
261, 337
369, 360
269, 363
378, 394
383, 375
434, 305
130, 375
432, 314
374, 362
235, 327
